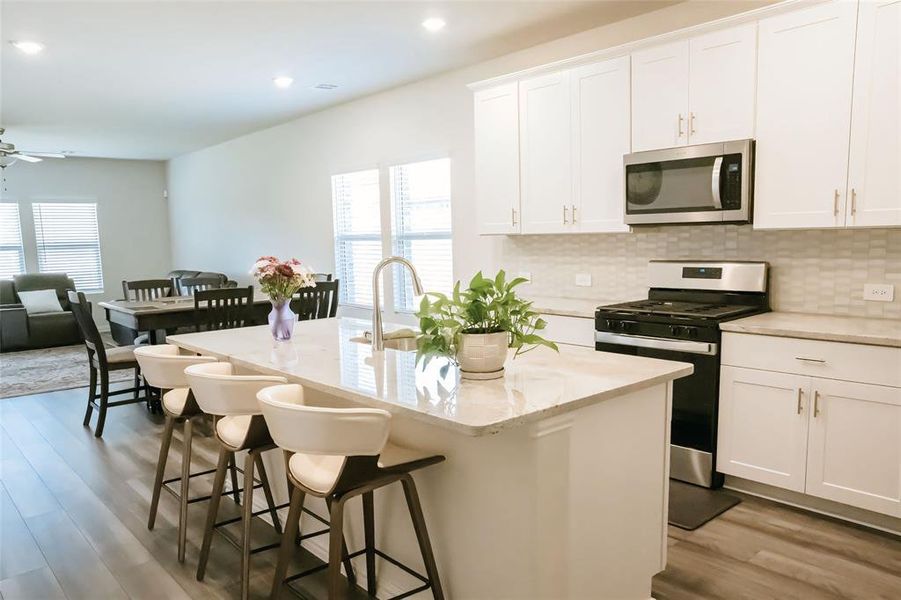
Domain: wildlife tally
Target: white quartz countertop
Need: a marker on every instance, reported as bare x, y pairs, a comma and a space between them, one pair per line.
858, 330
538, 384
566, 307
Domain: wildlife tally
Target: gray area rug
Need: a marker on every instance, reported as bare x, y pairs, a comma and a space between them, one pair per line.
47, 370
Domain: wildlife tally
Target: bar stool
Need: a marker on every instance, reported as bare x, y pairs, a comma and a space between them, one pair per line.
239, 425
337, 454
163, 367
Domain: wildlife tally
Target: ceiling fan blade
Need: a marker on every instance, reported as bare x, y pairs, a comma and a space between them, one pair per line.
43, 154
27, 158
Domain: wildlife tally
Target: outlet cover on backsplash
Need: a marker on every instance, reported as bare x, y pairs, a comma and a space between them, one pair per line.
812, 271
583, 279
878, 292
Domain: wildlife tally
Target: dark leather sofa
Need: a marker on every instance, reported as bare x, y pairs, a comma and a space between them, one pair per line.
19, 331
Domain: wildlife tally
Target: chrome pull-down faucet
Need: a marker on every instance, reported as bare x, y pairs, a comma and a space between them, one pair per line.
378, 336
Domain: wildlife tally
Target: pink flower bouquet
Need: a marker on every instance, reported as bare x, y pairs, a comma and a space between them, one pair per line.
281, 280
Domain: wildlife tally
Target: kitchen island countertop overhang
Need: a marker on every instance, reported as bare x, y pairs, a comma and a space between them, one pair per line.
538, 384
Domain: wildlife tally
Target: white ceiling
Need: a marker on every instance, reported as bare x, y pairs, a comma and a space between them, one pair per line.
154, 80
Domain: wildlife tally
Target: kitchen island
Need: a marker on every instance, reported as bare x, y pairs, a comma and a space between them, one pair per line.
556, 479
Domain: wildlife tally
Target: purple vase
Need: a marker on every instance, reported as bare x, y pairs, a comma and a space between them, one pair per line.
281, 321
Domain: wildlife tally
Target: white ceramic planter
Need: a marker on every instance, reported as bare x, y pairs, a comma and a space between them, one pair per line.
482, 355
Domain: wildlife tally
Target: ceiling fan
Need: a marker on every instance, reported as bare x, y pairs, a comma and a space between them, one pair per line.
9, 154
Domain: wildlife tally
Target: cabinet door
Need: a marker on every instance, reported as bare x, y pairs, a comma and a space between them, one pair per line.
874, 180
660, 97
497, 159
722, 85
762, 433
546, 170
854, 455
804, 71
600, 138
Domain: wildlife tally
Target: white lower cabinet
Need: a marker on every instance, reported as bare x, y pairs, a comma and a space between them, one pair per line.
854, 448
830, 438
763, 426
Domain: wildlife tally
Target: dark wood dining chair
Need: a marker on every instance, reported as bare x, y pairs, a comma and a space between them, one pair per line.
317, 277
320, 302
224, 308
101, 361
188, 285
142, 290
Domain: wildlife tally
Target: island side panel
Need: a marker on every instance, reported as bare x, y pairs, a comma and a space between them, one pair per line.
573, 506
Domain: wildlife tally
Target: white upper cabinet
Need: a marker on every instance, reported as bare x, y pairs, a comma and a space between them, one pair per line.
722, 83
805, 68
497, 159
875, 164
600, 138
855, 445
545, 129
660, 97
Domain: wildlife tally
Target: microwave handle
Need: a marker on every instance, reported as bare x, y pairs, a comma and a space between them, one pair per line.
715, 183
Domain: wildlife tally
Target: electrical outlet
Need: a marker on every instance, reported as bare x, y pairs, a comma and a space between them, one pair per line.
583, 279
879, 292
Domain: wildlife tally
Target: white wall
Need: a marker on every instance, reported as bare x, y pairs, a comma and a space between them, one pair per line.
131, 212
269, 192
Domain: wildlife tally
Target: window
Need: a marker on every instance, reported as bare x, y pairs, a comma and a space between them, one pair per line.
358, 233
68, 241
12, 253
421, 228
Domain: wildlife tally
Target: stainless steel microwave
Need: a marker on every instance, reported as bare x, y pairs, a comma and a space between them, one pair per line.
708, 183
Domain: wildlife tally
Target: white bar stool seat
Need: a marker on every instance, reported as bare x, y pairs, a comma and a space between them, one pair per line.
163, 366
336, 454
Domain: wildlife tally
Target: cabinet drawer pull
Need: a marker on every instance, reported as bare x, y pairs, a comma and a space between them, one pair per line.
573, 209
513, 215
835, 202
816, 403
564, 215
800, 394
813, 360
853, 202
691, 123
681, 118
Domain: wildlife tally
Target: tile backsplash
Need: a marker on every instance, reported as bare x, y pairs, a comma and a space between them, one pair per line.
818, 271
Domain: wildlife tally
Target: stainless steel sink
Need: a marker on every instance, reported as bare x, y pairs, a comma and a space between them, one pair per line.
407, 344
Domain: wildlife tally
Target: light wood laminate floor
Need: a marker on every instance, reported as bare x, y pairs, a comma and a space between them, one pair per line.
73, 514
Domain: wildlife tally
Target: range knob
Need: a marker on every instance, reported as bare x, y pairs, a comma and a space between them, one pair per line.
691, 332
676, 330
629, 326
611, 324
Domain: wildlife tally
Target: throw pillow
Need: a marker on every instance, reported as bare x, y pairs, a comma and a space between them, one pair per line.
40, 301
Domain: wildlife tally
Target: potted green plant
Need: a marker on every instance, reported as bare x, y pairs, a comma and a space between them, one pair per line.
474, 327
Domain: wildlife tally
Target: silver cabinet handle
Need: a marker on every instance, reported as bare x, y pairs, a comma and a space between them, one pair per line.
813, 360
835, 202
573, 208
564, 214
816, 403
513, 215
691, 123
853, 202
681, 118
800, 394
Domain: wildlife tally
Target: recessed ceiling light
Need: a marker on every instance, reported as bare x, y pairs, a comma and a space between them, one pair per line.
283, 82
28, 47
434, 24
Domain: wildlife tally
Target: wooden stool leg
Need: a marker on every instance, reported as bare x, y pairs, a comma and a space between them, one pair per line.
160, 469
369, 535
246, 522
267, 491
183, 492
348, 566
104, 399
137, 383
215, 496
336, 549
92, 395
422, 535
234, 476
286, 550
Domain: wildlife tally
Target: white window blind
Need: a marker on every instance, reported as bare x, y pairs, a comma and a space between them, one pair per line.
358, 233
12, 253
68, 241
421, 228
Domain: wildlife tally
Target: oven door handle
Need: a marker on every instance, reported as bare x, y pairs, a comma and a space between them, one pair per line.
708, 348
715, 183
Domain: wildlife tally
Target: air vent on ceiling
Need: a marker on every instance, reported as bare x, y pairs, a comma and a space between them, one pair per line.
325, 86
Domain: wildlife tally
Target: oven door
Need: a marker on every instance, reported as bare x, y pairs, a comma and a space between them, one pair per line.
695, 401
694, 184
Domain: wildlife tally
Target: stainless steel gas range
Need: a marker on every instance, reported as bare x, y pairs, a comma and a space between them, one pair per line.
680, 321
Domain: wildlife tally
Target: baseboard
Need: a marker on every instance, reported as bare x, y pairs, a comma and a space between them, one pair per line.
821, 506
